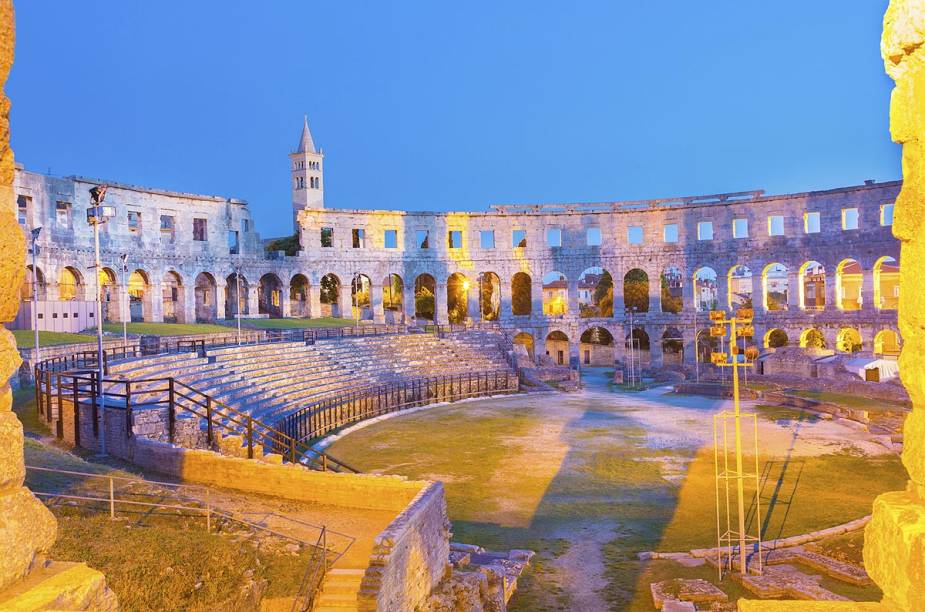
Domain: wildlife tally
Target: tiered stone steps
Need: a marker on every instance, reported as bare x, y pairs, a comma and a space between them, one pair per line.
339, 590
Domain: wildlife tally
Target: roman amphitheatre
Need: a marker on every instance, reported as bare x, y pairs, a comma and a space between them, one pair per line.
528, 406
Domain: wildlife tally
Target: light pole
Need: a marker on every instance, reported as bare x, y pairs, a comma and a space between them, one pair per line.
355, 298
126, 298
98, 214
237, 297
35, 301
696, 344
631, 311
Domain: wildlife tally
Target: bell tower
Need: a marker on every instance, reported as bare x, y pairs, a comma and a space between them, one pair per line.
307, 166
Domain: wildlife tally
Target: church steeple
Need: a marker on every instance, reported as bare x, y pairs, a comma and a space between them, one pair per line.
307, 174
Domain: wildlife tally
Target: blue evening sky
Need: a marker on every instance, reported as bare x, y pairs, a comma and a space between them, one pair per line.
429, 105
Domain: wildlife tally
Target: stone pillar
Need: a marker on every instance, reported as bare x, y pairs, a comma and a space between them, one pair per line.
536, 297
656, 352
154, 296
831, 294
409, 303
474, 302
793, 290
722, 291
867, 290
655, 294
253, 299
28, 528
376, 290
285, 301
573, 298
220, 287
441, 316
188, 313
314, 301
895, 537
345, 301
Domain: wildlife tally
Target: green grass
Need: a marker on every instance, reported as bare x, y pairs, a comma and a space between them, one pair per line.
167, 329
846, 399
25, 338
298, 323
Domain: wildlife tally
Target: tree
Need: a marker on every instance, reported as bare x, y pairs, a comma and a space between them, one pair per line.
521, 298
329, 289
424, 302
670, 303
289, 244
777, 338
603, 295
636, 290
392, 295
815, 339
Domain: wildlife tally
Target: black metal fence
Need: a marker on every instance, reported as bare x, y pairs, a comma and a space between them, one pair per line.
326, 415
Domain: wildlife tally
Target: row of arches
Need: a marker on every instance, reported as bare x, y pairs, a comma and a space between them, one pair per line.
886, 342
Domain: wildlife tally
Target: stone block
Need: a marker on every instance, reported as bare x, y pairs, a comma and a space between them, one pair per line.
894, 547
61, 586
27, 528
12, 470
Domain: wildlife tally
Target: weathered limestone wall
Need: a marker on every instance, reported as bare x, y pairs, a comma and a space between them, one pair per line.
27, 528
411, 555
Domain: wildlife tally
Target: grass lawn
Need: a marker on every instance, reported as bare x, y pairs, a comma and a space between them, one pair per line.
297, 323
168, 329
25, 338
846, 399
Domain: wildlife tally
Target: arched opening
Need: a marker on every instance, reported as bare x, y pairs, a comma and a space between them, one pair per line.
672, 290
555, 294
521, 294
490, 296
776, 286
206, 303
360, 288
812, 286
425, 287
457, 297
672, 346
393, 291
848, 340
595, 293
812, 338
270, 296
557, 347
886, 283
706, 346
740, 287
70, 285
298, 296
108, 295
848, 278
172, 298
27, 288
526, 340
638, 346
235, 296
139, 306
705, 290
636, 290
596, 347
330, 296
886, 344
775, 338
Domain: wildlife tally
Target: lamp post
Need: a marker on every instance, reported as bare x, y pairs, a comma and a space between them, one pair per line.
126, 298
35, 302
355, 298
631, 312
237, 297
98, 214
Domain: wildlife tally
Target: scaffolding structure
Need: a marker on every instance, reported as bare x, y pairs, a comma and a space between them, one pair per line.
732, 537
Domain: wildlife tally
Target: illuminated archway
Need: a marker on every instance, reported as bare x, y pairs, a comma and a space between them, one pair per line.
393, 300
557, 347
705, 290
70, 285
490, 296
172, 298
205, 295
457, 297
555, 294
596, 347
235, 296
330, 296
776, 287
775, 338
298, 296
848, 340
812, 338
425, 287
636, 290
139, 301
672, 281
595, 293
739, 280
270, 295
848, 279
26, 289
526, 340
886, 284
360, 297
812, 286
521, 294
886, 343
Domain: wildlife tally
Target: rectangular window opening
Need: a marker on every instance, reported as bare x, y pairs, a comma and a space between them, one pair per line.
327, 237
812, 223
487, 239
740, 228
390, 239
886, 214
635, 234
359, 238
849, 218
594, 237
553, 237
454, 239
519, 239
422, 237
776, 225
705, 230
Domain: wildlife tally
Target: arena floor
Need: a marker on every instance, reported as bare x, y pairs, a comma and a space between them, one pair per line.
590, 479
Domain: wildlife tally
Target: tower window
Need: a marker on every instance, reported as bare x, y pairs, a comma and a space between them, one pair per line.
199, 230
134, 221
327, 237
24, 204
705, 230
554, 237
63, 214
359, 238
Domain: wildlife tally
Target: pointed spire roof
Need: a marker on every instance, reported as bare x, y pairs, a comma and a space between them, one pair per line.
306, 144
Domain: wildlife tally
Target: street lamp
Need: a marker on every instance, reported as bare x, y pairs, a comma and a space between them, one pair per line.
124, 258
35, 285
97, 214
631, 312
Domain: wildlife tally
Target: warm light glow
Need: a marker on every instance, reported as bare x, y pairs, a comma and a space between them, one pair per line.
465, 285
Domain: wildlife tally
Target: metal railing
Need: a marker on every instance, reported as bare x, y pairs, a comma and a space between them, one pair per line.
323, 416
311, 582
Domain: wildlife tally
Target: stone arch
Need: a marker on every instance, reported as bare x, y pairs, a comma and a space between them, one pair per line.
595, 293
139, 296
705, 289
235, 299
887, 343
525, 340
206, 297
776, 287
270, 295
636, 290
298, 296
490, 296
848, 281
70, 284
330, 296
739, 281
425, 288
521, 294
596, 346
457, 297
848, 340
557, 347
672, 346
775, 338
27, 288
172, 298
886, 284
672, 281
555, 294
393, 298
706, 345
361, 297
812, 338
812, 286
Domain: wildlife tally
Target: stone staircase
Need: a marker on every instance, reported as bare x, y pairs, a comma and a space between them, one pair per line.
339, 590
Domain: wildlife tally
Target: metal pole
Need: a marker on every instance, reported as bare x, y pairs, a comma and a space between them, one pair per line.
356, 299
738, 440
237, 297
99, 337
35, 309
126, 298
696, 344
